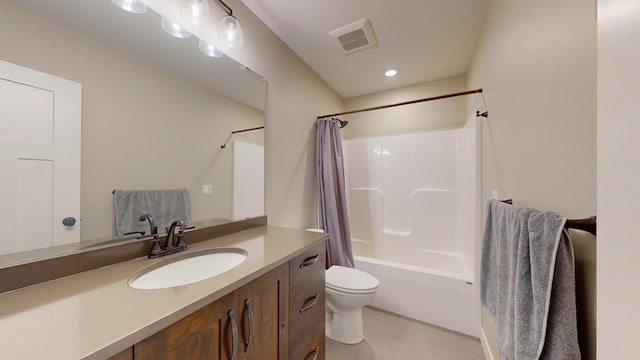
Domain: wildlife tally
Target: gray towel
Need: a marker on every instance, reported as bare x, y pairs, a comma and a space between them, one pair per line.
527, 283
165, 206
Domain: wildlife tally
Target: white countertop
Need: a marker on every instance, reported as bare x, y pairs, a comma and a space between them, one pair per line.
96, 314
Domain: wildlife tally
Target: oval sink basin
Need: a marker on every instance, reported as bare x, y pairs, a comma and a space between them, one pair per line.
187, 268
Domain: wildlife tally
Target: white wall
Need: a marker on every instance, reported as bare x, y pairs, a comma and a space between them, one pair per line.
142, 127
432, 115
296, 95
618, 179
536, 61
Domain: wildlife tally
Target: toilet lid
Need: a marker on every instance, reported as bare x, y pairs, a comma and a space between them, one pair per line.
351, 280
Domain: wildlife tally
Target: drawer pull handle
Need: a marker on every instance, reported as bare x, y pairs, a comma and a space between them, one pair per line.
310, 261
234, 335
315, 353
312, 301
247, 306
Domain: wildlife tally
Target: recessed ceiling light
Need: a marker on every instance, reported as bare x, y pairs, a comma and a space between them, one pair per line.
391, 72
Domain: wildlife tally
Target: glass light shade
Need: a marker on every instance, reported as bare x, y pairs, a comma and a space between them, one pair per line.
196, 12
230, 32
209, 49
132, 6
174, 29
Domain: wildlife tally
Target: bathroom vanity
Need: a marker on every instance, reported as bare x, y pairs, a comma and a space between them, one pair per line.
271, 306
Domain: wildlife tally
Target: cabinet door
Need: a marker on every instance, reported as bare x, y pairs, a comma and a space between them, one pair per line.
249, 323
263, 305
197, 336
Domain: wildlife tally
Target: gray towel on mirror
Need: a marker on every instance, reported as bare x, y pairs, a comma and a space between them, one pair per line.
164, 206
527, 283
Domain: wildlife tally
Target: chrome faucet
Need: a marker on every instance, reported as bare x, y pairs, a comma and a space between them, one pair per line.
155, 247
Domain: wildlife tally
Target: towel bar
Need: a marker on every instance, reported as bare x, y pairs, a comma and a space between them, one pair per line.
586, 224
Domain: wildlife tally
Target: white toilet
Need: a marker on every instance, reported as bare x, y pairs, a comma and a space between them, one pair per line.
347, 291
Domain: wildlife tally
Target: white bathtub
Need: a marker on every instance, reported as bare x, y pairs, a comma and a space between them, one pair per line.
442, 295
413, 204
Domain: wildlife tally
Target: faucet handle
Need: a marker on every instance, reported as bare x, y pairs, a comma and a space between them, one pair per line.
180, 242
155, 248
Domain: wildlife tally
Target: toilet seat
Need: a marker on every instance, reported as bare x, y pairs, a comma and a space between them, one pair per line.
349, 280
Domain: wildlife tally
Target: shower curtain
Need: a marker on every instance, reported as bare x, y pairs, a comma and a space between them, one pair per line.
332, 204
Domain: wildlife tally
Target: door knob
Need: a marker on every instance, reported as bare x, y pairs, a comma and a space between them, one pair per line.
69, 221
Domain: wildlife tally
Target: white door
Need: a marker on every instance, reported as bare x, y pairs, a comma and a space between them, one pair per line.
618, 243
248, 180
39, 159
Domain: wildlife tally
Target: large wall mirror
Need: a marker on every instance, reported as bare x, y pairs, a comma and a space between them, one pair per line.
155, 110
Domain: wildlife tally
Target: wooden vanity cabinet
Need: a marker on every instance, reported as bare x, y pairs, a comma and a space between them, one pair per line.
263, 308
127, 354
249, 323
280, 315
307, 304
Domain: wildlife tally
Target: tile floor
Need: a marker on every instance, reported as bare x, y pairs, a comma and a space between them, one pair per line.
391, 337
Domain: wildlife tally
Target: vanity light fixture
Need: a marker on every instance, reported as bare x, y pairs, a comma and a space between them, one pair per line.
132, 6
391, 72
174, 29
229, 31
196, 12
209, 49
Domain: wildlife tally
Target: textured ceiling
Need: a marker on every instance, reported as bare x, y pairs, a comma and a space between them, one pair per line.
425, 39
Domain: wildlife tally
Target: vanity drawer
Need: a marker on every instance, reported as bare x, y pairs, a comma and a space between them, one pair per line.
308, 266
307, 293
306, 307
311, 346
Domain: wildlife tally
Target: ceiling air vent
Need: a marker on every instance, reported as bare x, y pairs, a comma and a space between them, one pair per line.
355, 37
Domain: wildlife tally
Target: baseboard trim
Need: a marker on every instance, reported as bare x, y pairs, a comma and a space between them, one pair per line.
485, 346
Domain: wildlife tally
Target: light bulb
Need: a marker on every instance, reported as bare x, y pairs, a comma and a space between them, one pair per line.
132, 6
230, 32
196, 12
391, 72
174, 29
209, 49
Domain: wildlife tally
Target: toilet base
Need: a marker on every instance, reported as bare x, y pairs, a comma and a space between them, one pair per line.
345, 327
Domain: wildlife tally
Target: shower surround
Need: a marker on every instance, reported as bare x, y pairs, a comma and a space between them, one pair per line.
414, 212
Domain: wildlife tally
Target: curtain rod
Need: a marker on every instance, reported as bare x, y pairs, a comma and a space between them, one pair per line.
243, 130
238, 131
476, 91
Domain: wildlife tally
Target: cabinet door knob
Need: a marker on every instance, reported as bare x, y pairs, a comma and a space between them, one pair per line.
247, 306
310, 261
234, 335
311, 302
69, 221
